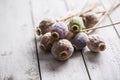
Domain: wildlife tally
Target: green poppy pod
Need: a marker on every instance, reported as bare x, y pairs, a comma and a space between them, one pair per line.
76, 24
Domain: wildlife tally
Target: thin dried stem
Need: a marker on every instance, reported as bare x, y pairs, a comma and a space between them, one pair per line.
94, 28
90, 8
105, 14
69, 7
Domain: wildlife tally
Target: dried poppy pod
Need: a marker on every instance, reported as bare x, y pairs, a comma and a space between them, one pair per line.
90, 19
76, 24
70, 35
59, 30
62, 49
46, 42
96, 43
79, 41
44, 26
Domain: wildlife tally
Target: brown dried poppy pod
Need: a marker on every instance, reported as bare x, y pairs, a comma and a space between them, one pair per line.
90, 19
62, 49
46, 42
44, 26
96, 43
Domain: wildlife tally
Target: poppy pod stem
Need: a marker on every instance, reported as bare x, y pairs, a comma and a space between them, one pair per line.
94, 28
113, 7
93, 6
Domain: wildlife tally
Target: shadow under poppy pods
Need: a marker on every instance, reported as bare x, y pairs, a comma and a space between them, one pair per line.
62, 49
59, 30
96, 43
79, 41
46, 42
44, 26
76, 24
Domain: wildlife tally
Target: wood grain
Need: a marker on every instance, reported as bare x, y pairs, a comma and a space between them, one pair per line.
17, 48
72, 69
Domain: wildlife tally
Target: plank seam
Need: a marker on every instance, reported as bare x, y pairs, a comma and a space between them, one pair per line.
85, 65
67, 8
33, 24
111, 21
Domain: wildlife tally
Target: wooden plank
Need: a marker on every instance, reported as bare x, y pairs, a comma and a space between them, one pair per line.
72, 69
17, 48
114, 16
104, 65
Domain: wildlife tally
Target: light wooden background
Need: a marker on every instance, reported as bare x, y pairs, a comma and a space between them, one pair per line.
21, 59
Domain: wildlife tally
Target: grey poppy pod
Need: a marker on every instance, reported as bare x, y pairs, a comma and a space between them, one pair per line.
44, 26
46, 42
62, 49
79, 41
76, 24
90, 19
96, 43
59, 30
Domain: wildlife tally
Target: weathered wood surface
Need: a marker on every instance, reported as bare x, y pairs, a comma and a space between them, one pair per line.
17, 46
18, 61
105, 65
114, 16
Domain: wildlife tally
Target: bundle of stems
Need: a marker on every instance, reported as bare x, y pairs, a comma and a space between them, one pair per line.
89, 9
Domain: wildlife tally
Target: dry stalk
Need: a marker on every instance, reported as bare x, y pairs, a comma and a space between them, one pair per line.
104, 15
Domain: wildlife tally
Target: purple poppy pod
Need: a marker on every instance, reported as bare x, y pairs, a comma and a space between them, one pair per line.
79, 41
44, 26
59, 30
46, 42
96, 43
62, 49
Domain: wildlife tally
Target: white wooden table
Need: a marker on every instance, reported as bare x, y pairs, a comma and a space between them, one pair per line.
21, 58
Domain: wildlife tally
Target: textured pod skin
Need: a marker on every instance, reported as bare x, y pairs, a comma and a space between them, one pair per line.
59, 30
46, 42
90, 19
96, 43
44, 26
76, 24
70, 35
79, 41
62, 49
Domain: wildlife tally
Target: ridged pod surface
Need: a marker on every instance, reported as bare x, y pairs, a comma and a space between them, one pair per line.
44, 26
90, 19
79, 41
46, 42
62, 49
59, 30
76, 24
96, 43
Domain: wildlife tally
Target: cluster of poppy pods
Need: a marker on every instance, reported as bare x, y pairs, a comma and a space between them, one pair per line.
63, 38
